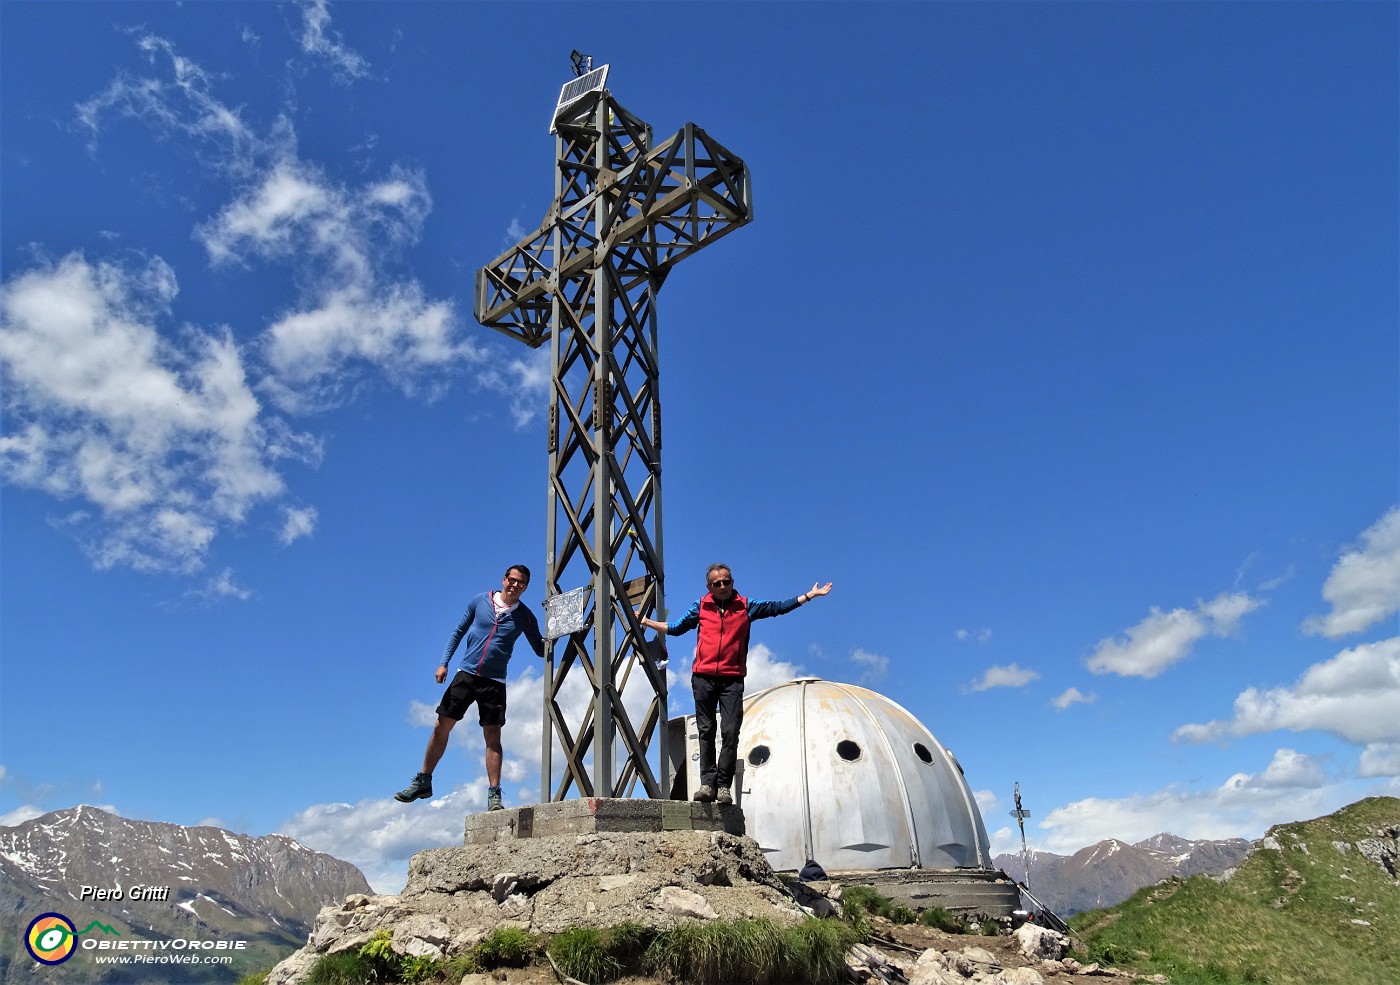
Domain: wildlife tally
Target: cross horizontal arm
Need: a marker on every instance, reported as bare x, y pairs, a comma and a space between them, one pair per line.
677, 199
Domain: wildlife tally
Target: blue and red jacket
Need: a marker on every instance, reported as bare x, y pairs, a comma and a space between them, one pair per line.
722, 646
487, 640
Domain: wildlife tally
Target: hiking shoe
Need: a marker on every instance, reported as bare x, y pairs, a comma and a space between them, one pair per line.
705, 794
493, 799
724, 796
420, 789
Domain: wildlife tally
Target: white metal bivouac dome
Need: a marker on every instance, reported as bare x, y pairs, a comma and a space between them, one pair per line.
840, 774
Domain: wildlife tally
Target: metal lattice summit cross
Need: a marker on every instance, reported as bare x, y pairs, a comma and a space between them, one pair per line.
625, 212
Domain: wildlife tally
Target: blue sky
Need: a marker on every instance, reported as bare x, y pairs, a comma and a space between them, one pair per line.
1064, 341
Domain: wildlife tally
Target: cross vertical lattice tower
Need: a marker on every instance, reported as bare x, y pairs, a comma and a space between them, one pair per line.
625, 212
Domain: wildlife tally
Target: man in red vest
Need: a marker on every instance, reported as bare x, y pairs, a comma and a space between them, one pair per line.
721, 662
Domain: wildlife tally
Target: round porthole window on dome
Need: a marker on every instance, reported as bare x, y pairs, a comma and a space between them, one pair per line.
758, 755
848, 750
922, 752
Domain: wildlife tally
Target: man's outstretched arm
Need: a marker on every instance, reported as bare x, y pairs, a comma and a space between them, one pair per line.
684, 624
765, 609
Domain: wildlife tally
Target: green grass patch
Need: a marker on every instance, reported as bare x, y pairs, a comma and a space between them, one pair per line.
342, 968
508, 947
377, 962
944, 920
628, 942
583, 953
1309, 913
716, 952
814, 951
858, 902
752, 951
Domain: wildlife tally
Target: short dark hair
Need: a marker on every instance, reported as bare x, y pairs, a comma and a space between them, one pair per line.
717, 567
522, 569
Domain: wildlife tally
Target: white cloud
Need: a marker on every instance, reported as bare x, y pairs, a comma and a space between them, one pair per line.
987, 801
181, 104
874, 665
980, 635
1354, 696
1380, 759
1292, 786
297, 523
1290, 768
395, 329
16, 817
268, 218
1010, 675
351, 312
380, 835
1164, 638
317, 39
1073, 696
222, 586
424, 715
765, 670
525, 380
166, 440
1006, 840
1364, 586
336, 239
163, 437
1391, 788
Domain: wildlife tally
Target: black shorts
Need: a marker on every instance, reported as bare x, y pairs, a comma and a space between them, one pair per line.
489, 695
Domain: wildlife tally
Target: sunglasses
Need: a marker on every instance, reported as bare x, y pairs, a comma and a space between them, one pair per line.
721, 582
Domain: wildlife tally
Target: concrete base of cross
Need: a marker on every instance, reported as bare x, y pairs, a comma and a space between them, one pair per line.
593, 815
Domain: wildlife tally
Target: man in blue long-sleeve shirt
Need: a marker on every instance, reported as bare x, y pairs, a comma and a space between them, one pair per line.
487, 633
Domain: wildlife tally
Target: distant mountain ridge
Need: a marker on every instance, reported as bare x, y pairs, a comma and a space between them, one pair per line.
162, 882
1111, 870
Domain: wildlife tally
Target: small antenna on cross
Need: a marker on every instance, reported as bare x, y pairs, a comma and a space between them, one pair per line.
583, 64
1020, 814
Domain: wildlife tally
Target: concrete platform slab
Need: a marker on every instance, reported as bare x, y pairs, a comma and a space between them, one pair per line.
590, 815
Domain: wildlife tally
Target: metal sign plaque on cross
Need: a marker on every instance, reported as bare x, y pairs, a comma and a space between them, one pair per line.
626, 210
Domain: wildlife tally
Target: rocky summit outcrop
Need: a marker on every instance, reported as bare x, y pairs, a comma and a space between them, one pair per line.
456, 896
1383, 849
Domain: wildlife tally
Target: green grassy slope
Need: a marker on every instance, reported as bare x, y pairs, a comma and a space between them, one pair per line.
1313, 911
